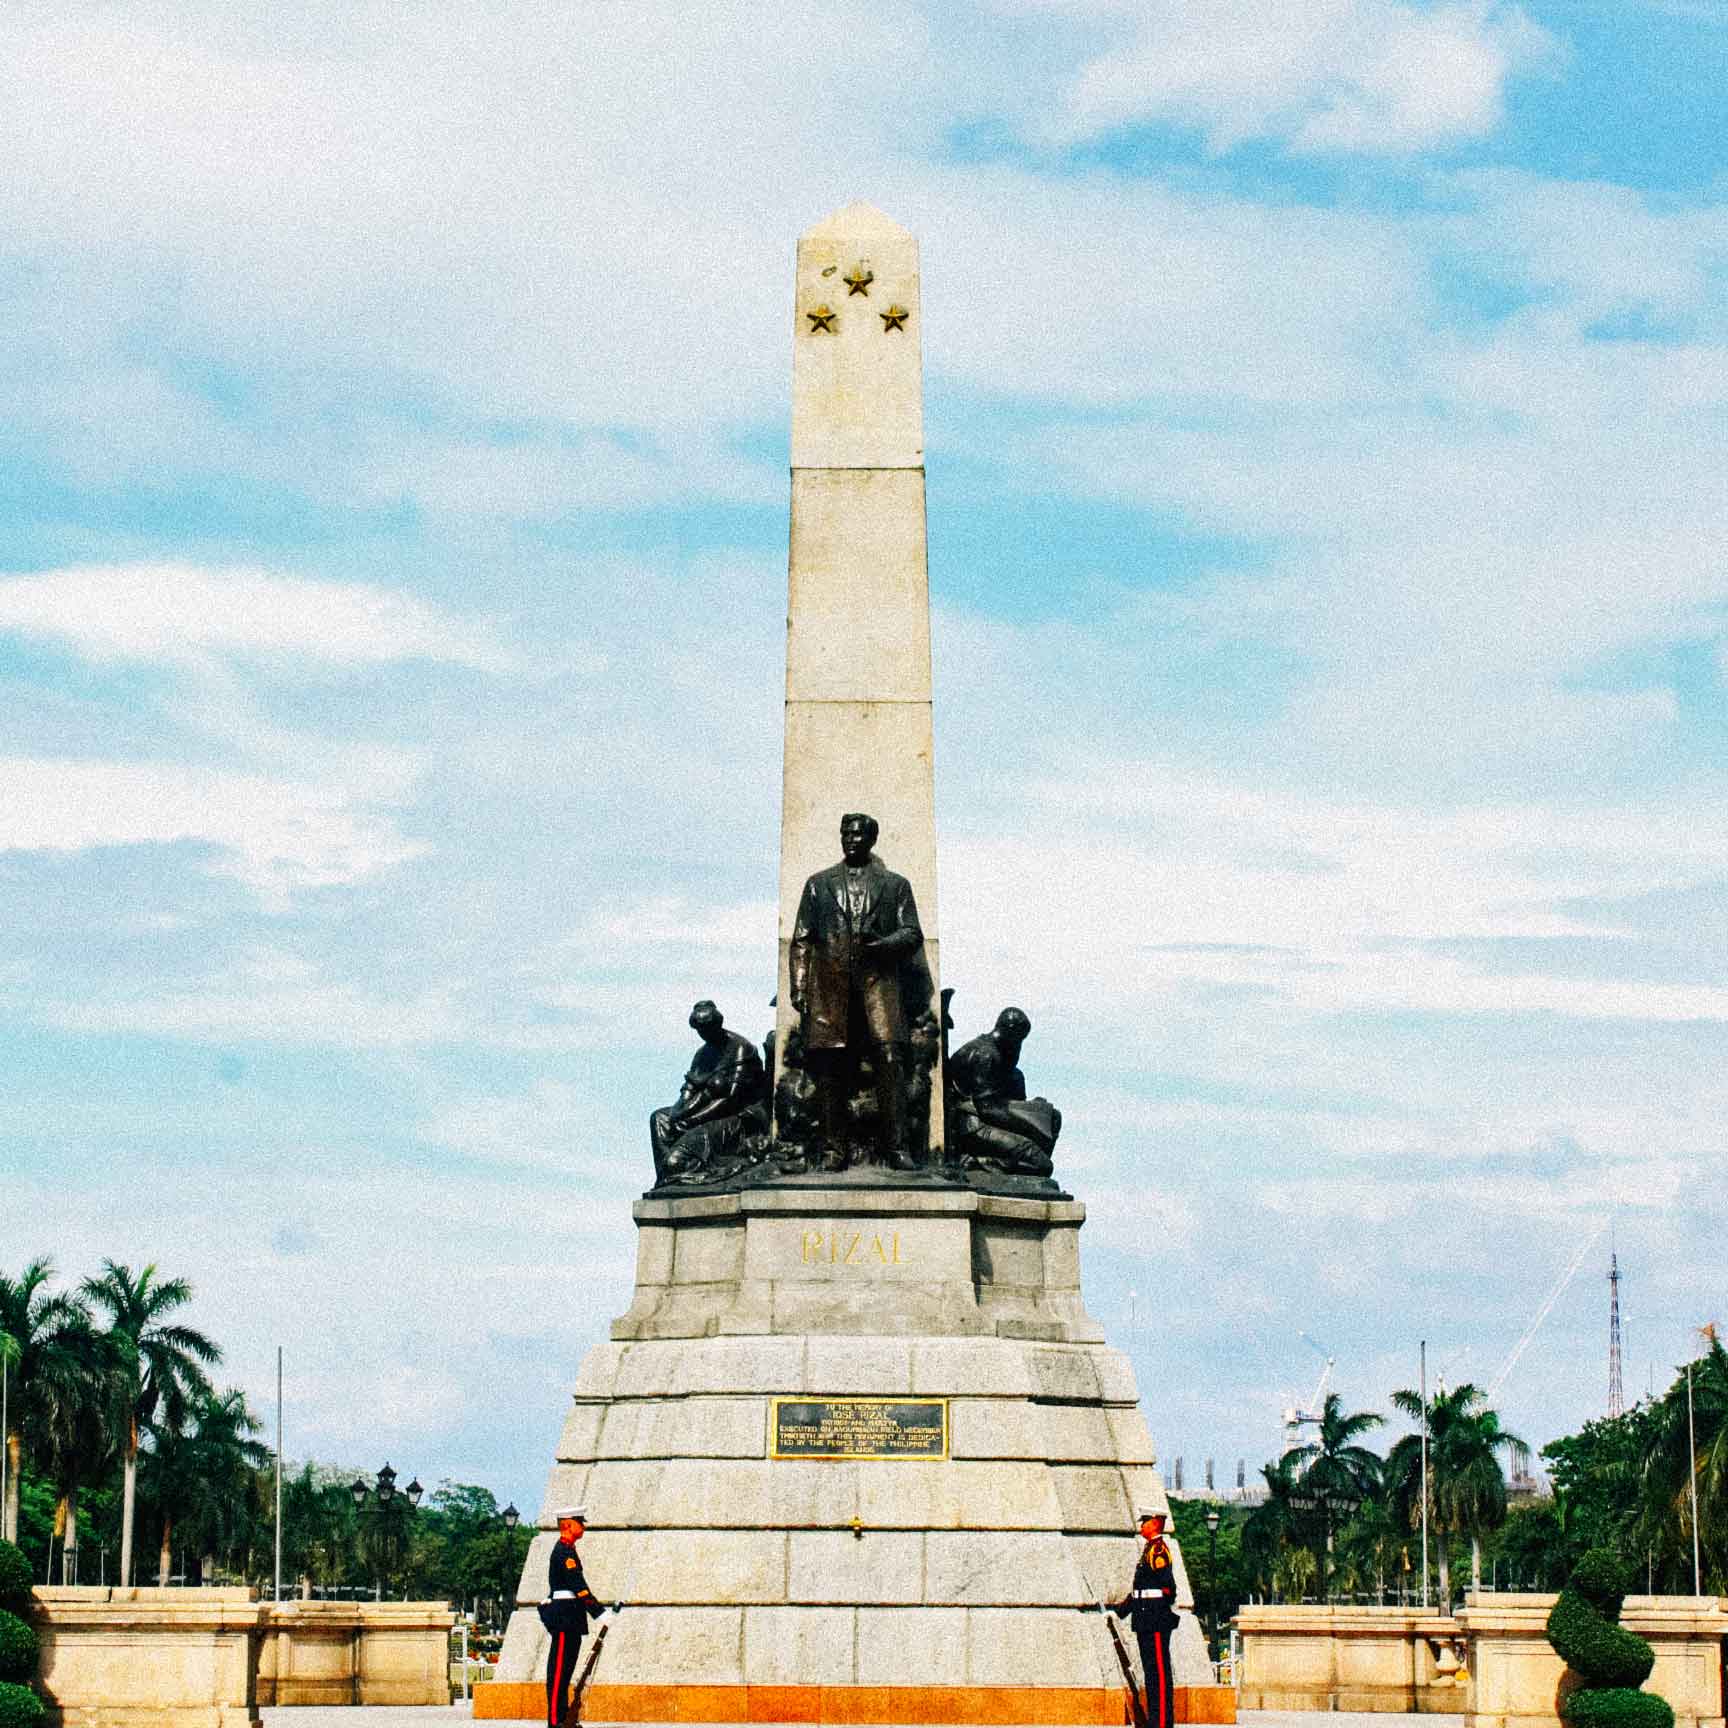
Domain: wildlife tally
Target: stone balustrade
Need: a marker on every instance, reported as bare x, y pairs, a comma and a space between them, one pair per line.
1515, 1675
1491, 1662
149, 1658
1348, 1658
355, 1653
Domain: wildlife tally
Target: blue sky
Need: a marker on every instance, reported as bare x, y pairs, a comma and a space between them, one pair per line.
1326, 407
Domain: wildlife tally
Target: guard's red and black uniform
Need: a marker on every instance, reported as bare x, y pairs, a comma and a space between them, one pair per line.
565, 1615
1151, 1608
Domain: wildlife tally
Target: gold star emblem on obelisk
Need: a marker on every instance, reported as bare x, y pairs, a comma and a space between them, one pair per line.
859, 281
821, 319
893, 319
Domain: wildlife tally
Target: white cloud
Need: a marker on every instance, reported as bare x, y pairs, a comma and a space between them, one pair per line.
170, 611
1321, 75
276, 835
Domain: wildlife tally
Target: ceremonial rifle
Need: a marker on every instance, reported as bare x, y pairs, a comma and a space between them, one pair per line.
574, 1714
1136, 1708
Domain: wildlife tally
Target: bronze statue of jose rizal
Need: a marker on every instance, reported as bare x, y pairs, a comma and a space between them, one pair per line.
858, 980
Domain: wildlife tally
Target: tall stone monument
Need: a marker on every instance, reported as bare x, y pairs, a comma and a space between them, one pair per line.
856, 1452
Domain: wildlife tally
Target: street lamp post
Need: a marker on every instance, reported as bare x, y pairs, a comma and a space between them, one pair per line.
510, 1516
1325, 1500
1212, 1575
385, 1491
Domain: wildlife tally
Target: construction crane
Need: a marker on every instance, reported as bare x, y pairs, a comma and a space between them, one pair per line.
1297, 1417
1542, 1313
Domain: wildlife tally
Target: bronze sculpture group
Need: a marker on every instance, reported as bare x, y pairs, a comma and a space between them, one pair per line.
852, 1089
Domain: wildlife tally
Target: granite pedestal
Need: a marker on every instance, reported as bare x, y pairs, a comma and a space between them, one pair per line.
941, 1589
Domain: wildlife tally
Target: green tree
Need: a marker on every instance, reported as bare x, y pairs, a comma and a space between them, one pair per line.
318, 1523
460, 1528
1533, 1549
1268, 1531
1466, 1486
385, 1540
76, 1419
1370, 1549
1217, 1594
165, 1365
1598, 1476
34, 1336
1333, 1473
198, 1477
1687, 1446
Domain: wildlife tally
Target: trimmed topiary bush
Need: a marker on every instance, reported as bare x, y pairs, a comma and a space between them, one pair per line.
18, 1648
14, 1579
19, 1705
1610, 1664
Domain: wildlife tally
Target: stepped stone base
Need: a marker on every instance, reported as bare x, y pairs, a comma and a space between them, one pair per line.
764, 1583
504, 1701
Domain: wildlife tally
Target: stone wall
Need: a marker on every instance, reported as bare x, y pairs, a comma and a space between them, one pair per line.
149, 1658
1515, 1675
1341, 1658
1492, 1662
210, 1658
355, 1653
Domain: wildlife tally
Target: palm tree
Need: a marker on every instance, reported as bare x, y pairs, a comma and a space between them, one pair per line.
1466, 1486
1369, 1548
36, 1329
318, 1522
198, 1476
1332, 1471
1692, 1444
1266, 1530
167, 1365
76, 1421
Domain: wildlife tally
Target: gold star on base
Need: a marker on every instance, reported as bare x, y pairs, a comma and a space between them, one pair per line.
859, 281
893, 319
821, 319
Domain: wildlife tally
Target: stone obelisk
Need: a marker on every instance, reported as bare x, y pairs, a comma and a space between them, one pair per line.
856, 1452
858, 716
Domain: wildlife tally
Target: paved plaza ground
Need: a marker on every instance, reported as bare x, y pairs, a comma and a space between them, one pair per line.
424, 1717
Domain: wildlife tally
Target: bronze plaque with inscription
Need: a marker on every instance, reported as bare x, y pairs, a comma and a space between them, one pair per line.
859, 1428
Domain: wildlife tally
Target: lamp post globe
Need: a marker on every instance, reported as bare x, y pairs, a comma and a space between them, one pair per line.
509, 1517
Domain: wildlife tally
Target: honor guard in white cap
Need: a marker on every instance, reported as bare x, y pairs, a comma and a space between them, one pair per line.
565, 1613
1150, 1607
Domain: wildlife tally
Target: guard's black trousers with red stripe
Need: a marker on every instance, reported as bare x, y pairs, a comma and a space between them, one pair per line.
1154, 1644
560, 1671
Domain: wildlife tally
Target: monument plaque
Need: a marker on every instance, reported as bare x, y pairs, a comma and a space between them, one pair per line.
860, 1428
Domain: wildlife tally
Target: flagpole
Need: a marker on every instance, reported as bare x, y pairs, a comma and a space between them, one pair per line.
1424, 1472
1692, 1460
278, 1472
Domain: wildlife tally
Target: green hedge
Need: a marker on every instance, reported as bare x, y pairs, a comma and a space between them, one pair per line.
1612, 1662
14, 1580
1617, 1707
1594, 1648
20, 1707
18, 1648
